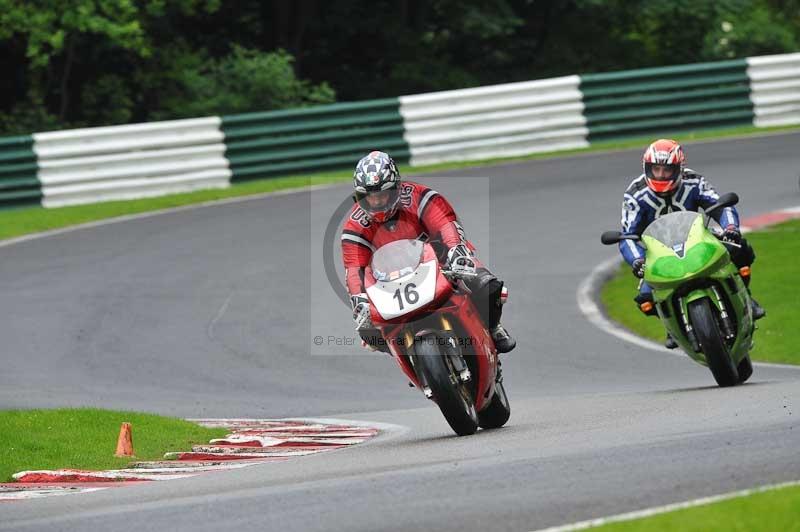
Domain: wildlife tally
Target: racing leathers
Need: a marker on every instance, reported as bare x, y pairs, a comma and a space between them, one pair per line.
640, 206
422, 214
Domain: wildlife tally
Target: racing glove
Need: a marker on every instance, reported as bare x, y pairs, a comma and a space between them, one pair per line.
638, 268
361, 312
732, 235
459, 260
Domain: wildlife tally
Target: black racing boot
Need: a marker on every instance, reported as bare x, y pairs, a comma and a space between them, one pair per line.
670, 342
503, 341
758, 310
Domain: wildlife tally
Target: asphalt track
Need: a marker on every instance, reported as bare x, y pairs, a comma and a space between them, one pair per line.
211, 313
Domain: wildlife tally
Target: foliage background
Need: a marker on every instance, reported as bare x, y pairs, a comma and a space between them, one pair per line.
72, 63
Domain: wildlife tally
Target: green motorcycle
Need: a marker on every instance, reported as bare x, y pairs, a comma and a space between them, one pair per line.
698, 293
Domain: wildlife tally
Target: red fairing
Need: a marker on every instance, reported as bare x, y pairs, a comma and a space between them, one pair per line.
444, 289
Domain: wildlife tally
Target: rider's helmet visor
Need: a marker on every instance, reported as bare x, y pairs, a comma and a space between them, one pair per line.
662, 177
378, 202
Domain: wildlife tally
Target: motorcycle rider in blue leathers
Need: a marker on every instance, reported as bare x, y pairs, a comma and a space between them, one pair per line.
667, 186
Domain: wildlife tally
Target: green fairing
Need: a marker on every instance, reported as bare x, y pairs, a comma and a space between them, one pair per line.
694, 260
668, 269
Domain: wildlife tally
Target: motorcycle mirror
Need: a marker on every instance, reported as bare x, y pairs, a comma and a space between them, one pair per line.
726, 200
610, 237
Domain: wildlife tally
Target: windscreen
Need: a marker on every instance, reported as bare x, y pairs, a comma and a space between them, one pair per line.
396, 259
672, 230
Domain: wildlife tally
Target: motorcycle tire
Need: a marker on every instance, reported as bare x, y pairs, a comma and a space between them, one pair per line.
450, 394
713, 346
745, 368
497, 412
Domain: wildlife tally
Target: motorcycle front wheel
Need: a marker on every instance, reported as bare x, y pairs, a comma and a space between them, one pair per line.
745, 368
450, 394
708, 334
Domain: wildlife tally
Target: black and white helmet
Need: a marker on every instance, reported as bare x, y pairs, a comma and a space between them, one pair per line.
377, 186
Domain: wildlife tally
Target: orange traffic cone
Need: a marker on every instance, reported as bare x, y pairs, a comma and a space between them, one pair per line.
125, 441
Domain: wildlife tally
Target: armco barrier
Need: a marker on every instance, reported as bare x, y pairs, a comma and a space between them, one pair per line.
311, 139
496, 121
132, 161
650, 100
775, 89
18, 182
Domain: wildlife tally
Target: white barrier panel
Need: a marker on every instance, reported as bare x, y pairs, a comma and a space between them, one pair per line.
497, 121
133, 161
775, 89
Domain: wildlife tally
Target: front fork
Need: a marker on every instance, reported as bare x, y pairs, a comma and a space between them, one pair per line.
687, 326
716, 298
448, 347
727, 323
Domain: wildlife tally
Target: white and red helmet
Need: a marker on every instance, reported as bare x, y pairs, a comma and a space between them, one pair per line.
669, 155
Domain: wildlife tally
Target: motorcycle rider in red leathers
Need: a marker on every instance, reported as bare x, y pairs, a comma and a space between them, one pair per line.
387, 209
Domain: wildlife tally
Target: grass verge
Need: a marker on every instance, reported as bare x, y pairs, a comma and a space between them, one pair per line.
769, 511
774, 272
86, 438
17, 222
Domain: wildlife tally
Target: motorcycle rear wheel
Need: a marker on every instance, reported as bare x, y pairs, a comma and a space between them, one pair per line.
497, 412
708, 334
450, 394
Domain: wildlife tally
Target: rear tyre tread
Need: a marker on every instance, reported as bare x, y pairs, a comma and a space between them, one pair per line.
497, 412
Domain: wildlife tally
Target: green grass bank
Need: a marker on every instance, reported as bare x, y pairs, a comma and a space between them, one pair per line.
86, 438
775, 510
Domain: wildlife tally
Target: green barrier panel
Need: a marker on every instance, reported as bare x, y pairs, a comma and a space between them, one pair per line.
665, 99
703, 95
312, 139
19, 184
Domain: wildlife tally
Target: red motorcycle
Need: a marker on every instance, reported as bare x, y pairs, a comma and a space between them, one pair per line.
436, 335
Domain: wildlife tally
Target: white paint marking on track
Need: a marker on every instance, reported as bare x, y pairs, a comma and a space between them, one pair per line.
38, 493
322, 421
263, 441
218, 316
114, 474
587, 291
656, 510
168, 470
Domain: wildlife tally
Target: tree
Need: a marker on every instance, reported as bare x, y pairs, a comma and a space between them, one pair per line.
244, 80
53, 32
95, 62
